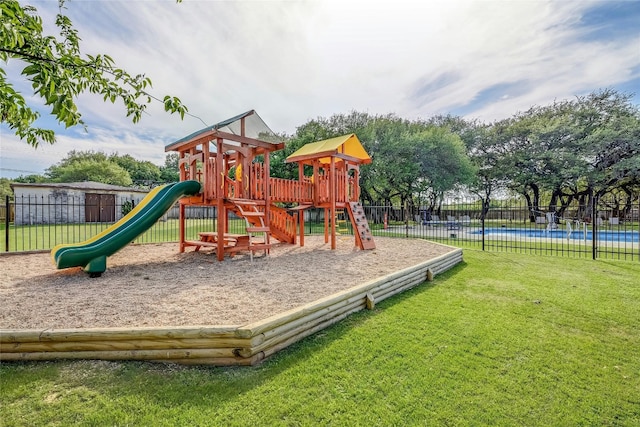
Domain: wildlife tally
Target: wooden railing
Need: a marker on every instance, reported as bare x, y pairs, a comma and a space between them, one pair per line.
281, 190
210, 190
289, 191
256, 179
283, 225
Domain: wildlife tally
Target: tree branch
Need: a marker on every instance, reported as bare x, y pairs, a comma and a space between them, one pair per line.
28, 55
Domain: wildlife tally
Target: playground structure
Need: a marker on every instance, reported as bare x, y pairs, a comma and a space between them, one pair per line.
231, 160
220, 167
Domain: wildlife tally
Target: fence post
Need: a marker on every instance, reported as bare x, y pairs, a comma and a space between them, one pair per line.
594, 227
6, 223
483, 214
406, 219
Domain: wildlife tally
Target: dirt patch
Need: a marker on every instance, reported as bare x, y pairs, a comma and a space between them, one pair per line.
155, 285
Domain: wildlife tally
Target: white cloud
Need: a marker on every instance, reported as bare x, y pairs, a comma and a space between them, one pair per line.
297, 60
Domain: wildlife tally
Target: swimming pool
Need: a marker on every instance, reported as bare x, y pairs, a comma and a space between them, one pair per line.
604, 235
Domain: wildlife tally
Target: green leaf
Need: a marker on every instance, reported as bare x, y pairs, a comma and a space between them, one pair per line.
58, 72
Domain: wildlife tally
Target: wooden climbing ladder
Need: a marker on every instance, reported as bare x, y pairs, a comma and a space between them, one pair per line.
254, 219
364, 238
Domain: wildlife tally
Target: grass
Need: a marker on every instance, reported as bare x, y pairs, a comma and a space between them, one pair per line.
502, 339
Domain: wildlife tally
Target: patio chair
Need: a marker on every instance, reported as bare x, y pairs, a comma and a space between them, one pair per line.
453, 223
434, 220
550, 217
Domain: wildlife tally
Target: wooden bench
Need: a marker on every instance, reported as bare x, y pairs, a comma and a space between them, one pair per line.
210, 240
233, 243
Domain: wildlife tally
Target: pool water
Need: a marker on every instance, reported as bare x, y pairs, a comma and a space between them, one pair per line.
605, 235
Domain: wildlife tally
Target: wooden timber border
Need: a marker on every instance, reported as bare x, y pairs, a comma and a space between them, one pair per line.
216, 345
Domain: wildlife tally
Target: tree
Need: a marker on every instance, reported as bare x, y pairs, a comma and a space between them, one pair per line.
170, 172
609, 140
55, 172
485, 154
467, 130
410, 160
32, 179
59, 72
91, 170
89, 166
442, 163
312, 131
142, 172
5, 190
569, 150
390, 174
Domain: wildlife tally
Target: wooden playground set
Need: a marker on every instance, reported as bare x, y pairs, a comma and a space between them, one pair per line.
227, 166
231, 160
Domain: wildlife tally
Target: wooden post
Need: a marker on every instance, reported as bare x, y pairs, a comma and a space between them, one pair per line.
332, 197
267, 188
241, 161
316, 183
356, 183
326, 225
300, 221
370, 301
206, 170
300, 211
183, 170
430, 275
219, 180
193, 165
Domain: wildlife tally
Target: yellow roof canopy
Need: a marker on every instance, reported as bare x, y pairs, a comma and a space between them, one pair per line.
346, 147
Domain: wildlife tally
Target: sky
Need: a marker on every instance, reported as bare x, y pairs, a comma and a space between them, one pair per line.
294, 61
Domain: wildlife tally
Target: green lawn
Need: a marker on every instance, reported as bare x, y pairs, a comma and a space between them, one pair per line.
503, 339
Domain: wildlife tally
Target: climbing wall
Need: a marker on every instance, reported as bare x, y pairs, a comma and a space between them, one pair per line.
364, 238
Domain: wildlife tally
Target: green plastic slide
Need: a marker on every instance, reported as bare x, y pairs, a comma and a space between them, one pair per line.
92, 254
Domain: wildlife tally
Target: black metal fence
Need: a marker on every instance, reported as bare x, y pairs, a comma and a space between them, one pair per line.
41, 222
605, 228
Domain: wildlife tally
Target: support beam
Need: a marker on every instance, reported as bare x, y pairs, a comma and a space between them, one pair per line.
301, 212
326, 225
332, 197
249, 141
267, 189
221, 210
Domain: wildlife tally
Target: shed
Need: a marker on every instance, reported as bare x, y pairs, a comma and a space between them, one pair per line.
74, 202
